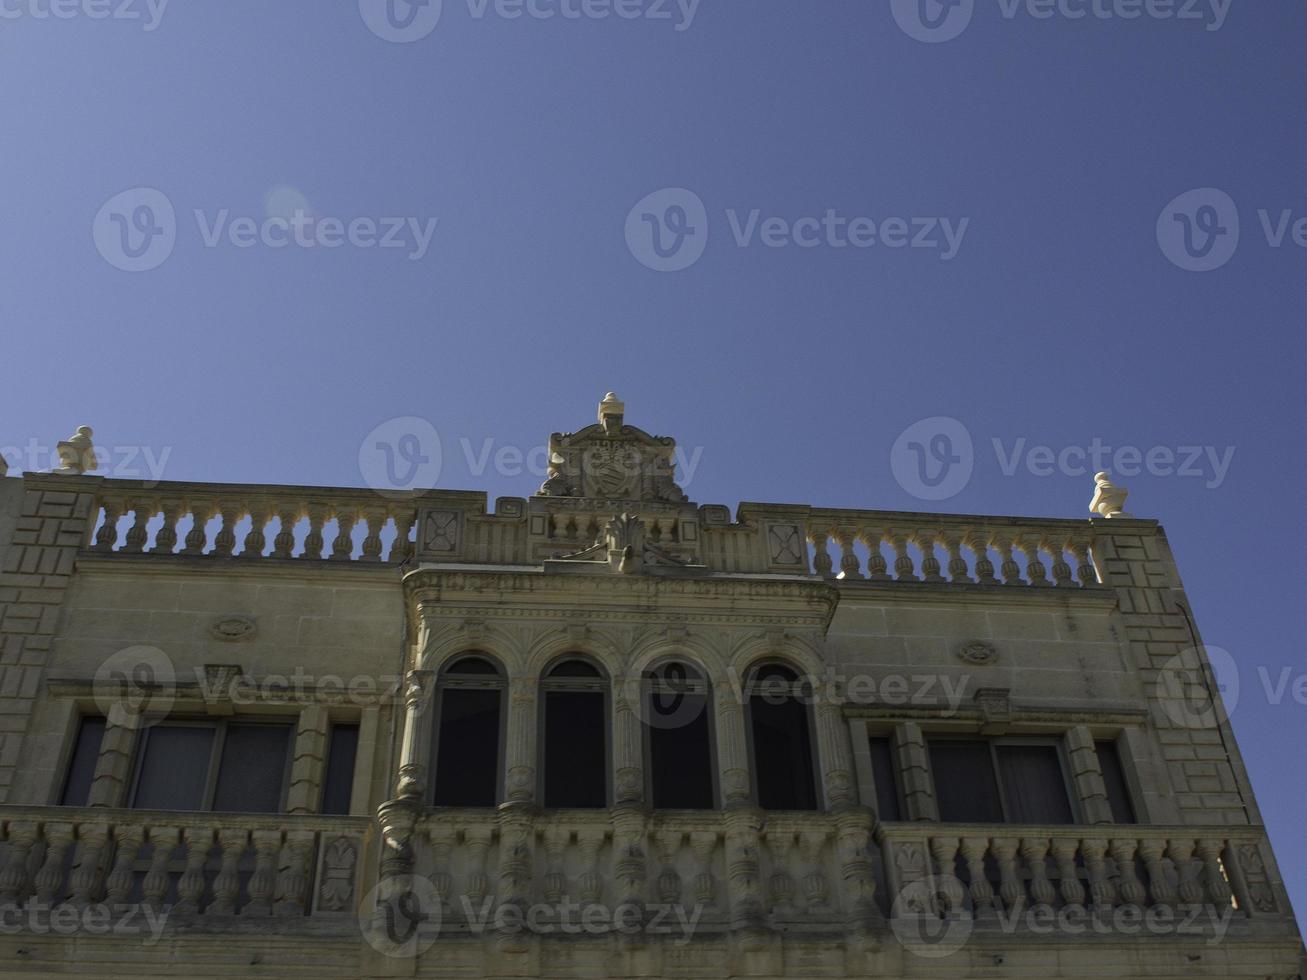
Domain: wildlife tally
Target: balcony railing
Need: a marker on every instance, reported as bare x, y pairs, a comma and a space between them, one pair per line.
195, 864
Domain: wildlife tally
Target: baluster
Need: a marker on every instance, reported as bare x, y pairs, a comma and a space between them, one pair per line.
978, 542
850, 567
1029, 545
1008, 567
107, 536
821, 561
556, 840
163, 841
190, 886
702, 845
982, 892
197, 537
1010, 888
401, 547
904, 569
263, 883
139, 533
1064, 853
165, 541
442, 838
1101, 889
1035, 850
1218, 888
256, 540
88, 872
780, 885
669, 879
947, 886
283, 545
743, 867
342, 549
1085, 572
224, 542
815, 888
1061, 570
313, 541
1129, 885
876, 567
929, 561
376, 518
293, 875
590, 883
1181, 852
226, 886
50, 878
477, 840
15, 880
1158, 886
127, 841
853, 846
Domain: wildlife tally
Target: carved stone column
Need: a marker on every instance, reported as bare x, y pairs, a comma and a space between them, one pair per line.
914, 772
628, 757
412, 781
1088, 775
310, 761
117, 748
836, 755
732, 754
520, 751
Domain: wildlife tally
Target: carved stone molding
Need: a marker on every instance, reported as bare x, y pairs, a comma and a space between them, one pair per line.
233, 629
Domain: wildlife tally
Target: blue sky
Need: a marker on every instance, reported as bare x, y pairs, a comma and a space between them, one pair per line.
794, 359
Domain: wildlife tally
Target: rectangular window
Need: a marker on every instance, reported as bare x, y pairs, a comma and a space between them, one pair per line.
228, 766
81, 766
467, 756
576, 762
338, 784
884, 772
1118, 792
1000, 781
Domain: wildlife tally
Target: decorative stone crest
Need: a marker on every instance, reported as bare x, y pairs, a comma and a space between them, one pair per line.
233, 629
624, 547
1109, 499
978, 653
612, 461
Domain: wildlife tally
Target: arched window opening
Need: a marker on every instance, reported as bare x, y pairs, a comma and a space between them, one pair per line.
780, 739
678, 738
575, 725
468, 739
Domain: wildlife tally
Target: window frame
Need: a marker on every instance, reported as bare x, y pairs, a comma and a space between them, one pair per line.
602, 684
894, 775
810, 720
332, 725
646, 750
993, 742
219, 725
447, 680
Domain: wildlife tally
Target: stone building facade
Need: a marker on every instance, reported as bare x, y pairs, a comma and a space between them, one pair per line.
604, 731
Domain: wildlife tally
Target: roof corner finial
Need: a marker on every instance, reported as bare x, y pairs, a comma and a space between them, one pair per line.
611, 412
76, 453
1109, 499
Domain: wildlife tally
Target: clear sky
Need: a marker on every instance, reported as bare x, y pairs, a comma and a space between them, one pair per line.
1055, 297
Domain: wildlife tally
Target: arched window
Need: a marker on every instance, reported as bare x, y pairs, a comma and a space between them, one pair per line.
678, 738
467, 732
780, 742
574, 705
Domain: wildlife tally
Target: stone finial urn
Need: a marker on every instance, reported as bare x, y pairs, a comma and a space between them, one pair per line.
1109, 499
77, 453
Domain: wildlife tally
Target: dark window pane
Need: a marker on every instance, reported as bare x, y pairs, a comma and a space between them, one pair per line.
782, 754
1118, 792
338, 785
884, 772
467, 761
965, 788
81, 766
575, 668
1033, 785
474, 665
576, 761
680, 751
174, 768
253, 769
